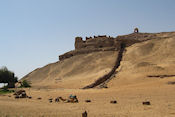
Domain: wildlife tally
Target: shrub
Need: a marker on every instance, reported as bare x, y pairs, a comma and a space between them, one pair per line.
25, 83
5, 90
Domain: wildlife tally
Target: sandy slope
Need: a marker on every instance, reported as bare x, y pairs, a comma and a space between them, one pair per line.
153, 57
75, 72
130, 86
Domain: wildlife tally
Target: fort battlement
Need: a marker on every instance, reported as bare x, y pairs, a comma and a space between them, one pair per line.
94, 42
104, 43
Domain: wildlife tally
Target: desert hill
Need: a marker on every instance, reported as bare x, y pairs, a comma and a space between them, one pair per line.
74, 72
145, 54
147, 62
129, 69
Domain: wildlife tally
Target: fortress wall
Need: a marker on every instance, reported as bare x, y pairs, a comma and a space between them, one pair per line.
97, 42
104, 43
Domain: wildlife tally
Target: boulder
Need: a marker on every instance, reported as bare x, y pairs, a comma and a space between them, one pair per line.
84, 114
39, 98
87, 101
57, 99
30, 97
146, 103
113, 102
20, 94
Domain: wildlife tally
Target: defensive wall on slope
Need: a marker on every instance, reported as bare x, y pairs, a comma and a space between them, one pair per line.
104, 43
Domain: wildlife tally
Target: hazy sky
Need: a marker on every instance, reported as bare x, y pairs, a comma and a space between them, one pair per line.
34, 32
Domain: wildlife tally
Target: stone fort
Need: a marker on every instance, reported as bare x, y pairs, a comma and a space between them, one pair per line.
104, 43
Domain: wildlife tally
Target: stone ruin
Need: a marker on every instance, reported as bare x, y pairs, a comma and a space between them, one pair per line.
104, 43
136, 30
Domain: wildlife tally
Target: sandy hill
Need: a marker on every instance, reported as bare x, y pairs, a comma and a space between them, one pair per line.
147, 62
136, 68
74, 72
145, 54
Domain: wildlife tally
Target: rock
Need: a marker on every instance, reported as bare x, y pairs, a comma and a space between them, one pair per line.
87, 101
23, 95
172, 83
29, 97
16, 97
57, 99
50, 100
113, 102
146, 103
39, 98
84, 114
20, 94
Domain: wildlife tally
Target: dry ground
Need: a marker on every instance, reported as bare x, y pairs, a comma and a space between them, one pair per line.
129, 98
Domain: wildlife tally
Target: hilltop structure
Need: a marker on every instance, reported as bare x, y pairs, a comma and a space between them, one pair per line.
104, 43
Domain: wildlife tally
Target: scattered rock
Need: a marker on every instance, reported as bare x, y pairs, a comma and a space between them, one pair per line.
20, 94
39, 98
30, 97
87, 101
50, 100
23, 95
57, 99
172, 83
146, 103
84, 114
113, 101
17, 96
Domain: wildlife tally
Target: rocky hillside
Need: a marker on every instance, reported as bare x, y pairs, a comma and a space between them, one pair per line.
145, 54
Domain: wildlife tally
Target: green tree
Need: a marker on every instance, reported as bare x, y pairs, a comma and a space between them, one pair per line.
7, 76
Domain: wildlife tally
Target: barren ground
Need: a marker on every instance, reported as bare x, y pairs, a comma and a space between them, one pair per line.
129, 98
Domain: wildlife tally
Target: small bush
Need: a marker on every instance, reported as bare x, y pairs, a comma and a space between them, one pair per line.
25, 84
5, 91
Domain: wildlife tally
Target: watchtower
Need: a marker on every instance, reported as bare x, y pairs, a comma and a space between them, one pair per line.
136, 30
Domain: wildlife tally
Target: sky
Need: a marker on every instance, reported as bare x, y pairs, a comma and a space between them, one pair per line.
33, 33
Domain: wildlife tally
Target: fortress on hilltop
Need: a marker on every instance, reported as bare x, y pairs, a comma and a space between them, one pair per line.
104, 43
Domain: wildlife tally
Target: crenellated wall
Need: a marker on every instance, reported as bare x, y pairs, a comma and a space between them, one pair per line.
94, 43
104, 43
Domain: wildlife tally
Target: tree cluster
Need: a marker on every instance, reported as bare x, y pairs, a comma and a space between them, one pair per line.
7, 76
